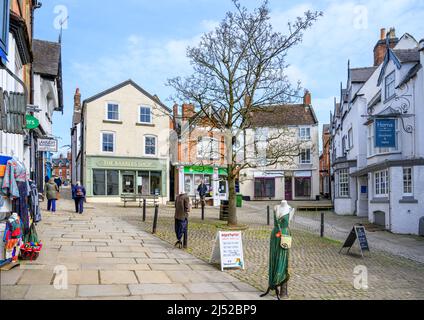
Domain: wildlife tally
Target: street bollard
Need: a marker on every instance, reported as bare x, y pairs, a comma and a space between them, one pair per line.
203, 210
155, 220
268, 218
322, 224
144, 209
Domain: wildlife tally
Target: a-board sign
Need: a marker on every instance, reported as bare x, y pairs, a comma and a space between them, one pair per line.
228, 250
357, 233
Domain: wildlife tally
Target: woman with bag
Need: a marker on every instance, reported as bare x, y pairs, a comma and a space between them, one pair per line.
280, 246
78, 194
52, 195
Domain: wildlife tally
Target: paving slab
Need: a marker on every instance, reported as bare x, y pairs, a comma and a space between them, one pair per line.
39, 277
164, 297
207, 287
169, 267
118, 277
17, 292
49, 292
205, 296
152, 277
11, 277
103, 290
143, 289
83, 277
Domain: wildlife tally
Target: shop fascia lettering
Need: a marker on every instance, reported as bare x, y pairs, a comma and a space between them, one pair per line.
125, 164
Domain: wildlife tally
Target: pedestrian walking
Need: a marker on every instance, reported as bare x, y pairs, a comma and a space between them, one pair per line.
78, 194
52, 194
58, 182
182, 210
202, 189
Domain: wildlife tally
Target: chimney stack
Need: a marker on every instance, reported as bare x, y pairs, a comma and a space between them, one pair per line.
307, 99
77, 100
380, 48
188, 111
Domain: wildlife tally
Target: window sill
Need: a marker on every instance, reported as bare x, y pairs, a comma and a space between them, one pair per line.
380, 200
141, 124
410, 200
113, 121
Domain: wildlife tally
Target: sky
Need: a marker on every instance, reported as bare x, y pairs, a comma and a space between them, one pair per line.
107, 42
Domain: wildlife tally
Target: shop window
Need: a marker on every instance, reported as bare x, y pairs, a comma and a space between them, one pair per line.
223, 185
188, 184
302, 186
264, 188
99, 182
155, 183
143, 183
112, 183
407, 182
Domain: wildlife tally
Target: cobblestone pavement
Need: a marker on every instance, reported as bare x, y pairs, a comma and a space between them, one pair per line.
338, 227
318, 270
108, 258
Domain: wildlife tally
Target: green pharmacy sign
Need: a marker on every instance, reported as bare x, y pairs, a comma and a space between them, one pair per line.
32, 122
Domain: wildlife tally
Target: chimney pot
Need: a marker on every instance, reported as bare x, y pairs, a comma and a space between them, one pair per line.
307, 99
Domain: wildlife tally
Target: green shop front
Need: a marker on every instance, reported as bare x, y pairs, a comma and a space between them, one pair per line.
107, 178
215, 178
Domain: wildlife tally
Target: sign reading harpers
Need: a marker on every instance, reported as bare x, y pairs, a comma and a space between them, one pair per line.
385, 133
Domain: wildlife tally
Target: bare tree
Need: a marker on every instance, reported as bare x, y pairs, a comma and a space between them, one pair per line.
239, 69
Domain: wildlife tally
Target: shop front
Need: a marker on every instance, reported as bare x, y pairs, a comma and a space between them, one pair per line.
215, 179
108, 178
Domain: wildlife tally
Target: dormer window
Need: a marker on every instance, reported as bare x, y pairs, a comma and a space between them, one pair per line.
390, 85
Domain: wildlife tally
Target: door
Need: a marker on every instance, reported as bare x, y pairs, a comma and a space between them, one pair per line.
288, 187
128, 183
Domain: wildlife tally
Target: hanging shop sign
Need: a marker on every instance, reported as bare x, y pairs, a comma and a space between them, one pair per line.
385, 133
228, 250
32, 122
47, 145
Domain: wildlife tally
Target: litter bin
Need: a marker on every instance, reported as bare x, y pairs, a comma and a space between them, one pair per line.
224, 210
239, 201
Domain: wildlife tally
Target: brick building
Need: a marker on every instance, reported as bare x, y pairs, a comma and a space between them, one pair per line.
62, 167
324, 163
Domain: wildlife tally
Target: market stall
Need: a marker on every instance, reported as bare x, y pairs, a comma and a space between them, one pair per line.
19, 213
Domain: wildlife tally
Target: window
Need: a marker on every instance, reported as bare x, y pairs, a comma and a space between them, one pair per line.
155, 183
302, 187
108, 142
390, 85
4, 28
145, 115
264, 188
112, 112
343, 183
407, 182
381, 183
105, 182
305, 134
208, 148
350, 138
150, 145
372, 150
305, 156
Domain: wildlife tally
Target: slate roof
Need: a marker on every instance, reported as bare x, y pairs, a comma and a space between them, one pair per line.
46, 57
407, 55
361, 75
284, 115
411, 73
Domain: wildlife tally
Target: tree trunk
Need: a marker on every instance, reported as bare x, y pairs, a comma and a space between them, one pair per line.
232, 205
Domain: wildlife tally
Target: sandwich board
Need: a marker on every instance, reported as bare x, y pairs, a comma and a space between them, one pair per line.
228, 250
358, 232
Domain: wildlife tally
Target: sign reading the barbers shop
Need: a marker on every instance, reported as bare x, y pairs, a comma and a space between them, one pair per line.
47, 145
385, 133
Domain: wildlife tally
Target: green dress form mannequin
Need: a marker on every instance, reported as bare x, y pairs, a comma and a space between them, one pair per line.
279, 257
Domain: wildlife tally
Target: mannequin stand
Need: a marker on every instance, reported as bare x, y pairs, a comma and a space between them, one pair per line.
281, 291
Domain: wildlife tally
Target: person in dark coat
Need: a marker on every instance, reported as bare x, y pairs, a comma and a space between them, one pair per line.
78, 194
202, 189
51, 191
182, 210
58, 182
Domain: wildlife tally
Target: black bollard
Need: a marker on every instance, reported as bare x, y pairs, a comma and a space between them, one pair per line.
155, 220
268, 218
203, 210
144, 209
322, 224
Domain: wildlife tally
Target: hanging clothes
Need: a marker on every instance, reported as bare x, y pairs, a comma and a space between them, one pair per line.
15, 172
34, 203
279, 257
21, 204
13, 238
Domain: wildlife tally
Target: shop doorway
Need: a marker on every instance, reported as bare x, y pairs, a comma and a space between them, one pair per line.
288, 187
128, 183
